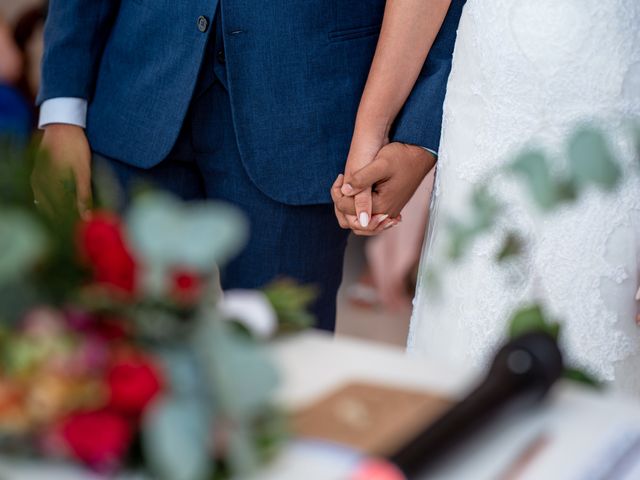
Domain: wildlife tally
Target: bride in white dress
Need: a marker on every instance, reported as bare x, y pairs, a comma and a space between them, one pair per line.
528, 72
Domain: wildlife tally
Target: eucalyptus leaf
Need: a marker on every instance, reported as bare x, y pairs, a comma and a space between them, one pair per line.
291, 303
532, 166
17, 298
176, 438
581, 376
16, 165
485, 210
512, 246
196, 235
23, 243
592, 161
461, 234
243, 452
459, 237
532, 319
241, 379
241, 374
183, 371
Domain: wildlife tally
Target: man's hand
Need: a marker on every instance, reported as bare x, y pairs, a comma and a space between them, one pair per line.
395, 175
377, 224
69, 160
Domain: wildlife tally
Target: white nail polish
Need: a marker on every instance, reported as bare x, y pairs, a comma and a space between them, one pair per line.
382, 218
390, 225
364, 219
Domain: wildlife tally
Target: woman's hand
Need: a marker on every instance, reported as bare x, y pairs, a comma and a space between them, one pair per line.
368, 140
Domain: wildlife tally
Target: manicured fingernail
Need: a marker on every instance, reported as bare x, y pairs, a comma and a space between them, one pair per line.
347, 189
364, 219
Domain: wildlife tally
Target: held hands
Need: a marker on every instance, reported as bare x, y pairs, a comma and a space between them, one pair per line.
364, 148
392, 177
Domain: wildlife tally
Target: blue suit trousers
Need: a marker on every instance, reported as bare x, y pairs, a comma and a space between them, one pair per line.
304, 243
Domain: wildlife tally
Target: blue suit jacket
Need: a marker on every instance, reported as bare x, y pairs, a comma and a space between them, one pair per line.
296, 70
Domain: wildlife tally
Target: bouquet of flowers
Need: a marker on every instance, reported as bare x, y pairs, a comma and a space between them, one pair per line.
117, 347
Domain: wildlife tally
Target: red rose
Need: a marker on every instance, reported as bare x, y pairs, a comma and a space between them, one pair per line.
186, 286
132, 383
99, 439
112, 329
102, 244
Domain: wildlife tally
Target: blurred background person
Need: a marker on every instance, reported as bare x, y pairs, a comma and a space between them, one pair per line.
390, 273
15, 114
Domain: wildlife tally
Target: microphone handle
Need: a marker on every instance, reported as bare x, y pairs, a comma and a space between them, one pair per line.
461, 420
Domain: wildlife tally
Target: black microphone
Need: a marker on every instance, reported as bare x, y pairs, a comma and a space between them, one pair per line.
522, 373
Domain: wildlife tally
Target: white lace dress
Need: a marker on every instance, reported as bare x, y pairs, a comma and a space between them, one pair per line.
528, 72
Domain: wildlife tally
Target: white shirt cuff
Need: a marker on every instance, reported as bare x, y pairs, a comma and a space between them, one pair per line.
67, 110
435, 154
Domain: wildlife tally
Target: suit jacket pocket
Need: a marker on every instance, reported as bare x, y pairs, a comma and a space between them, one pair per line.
354, 33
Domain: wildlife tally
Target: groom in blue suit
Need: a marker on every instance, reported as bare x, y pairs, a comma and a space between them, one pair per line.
248, 101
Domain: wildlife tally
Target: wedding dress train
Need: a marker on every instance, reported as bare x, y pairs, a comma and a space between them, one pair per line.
528, 72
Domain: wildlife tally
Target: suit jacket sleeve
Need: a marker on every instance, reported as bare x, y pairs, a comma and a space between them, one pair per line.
75, 34
420, 121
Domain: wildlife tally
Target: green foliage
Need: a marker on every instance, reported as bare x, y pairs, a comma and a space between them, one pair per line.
58, 272
176, 433
532, 319
166, 232
209, 363
241, 380
533, 168
291, 303
484, 210
512, 246
592, 161
15, 175
580, 376
23, 243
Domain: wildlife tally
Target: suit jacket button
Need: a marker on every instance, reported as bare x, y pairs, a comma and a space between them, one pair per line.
203, 23
220, 56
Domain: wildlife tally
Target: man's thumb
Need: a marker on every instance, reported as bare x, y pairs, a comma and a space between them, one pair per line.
363, 179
